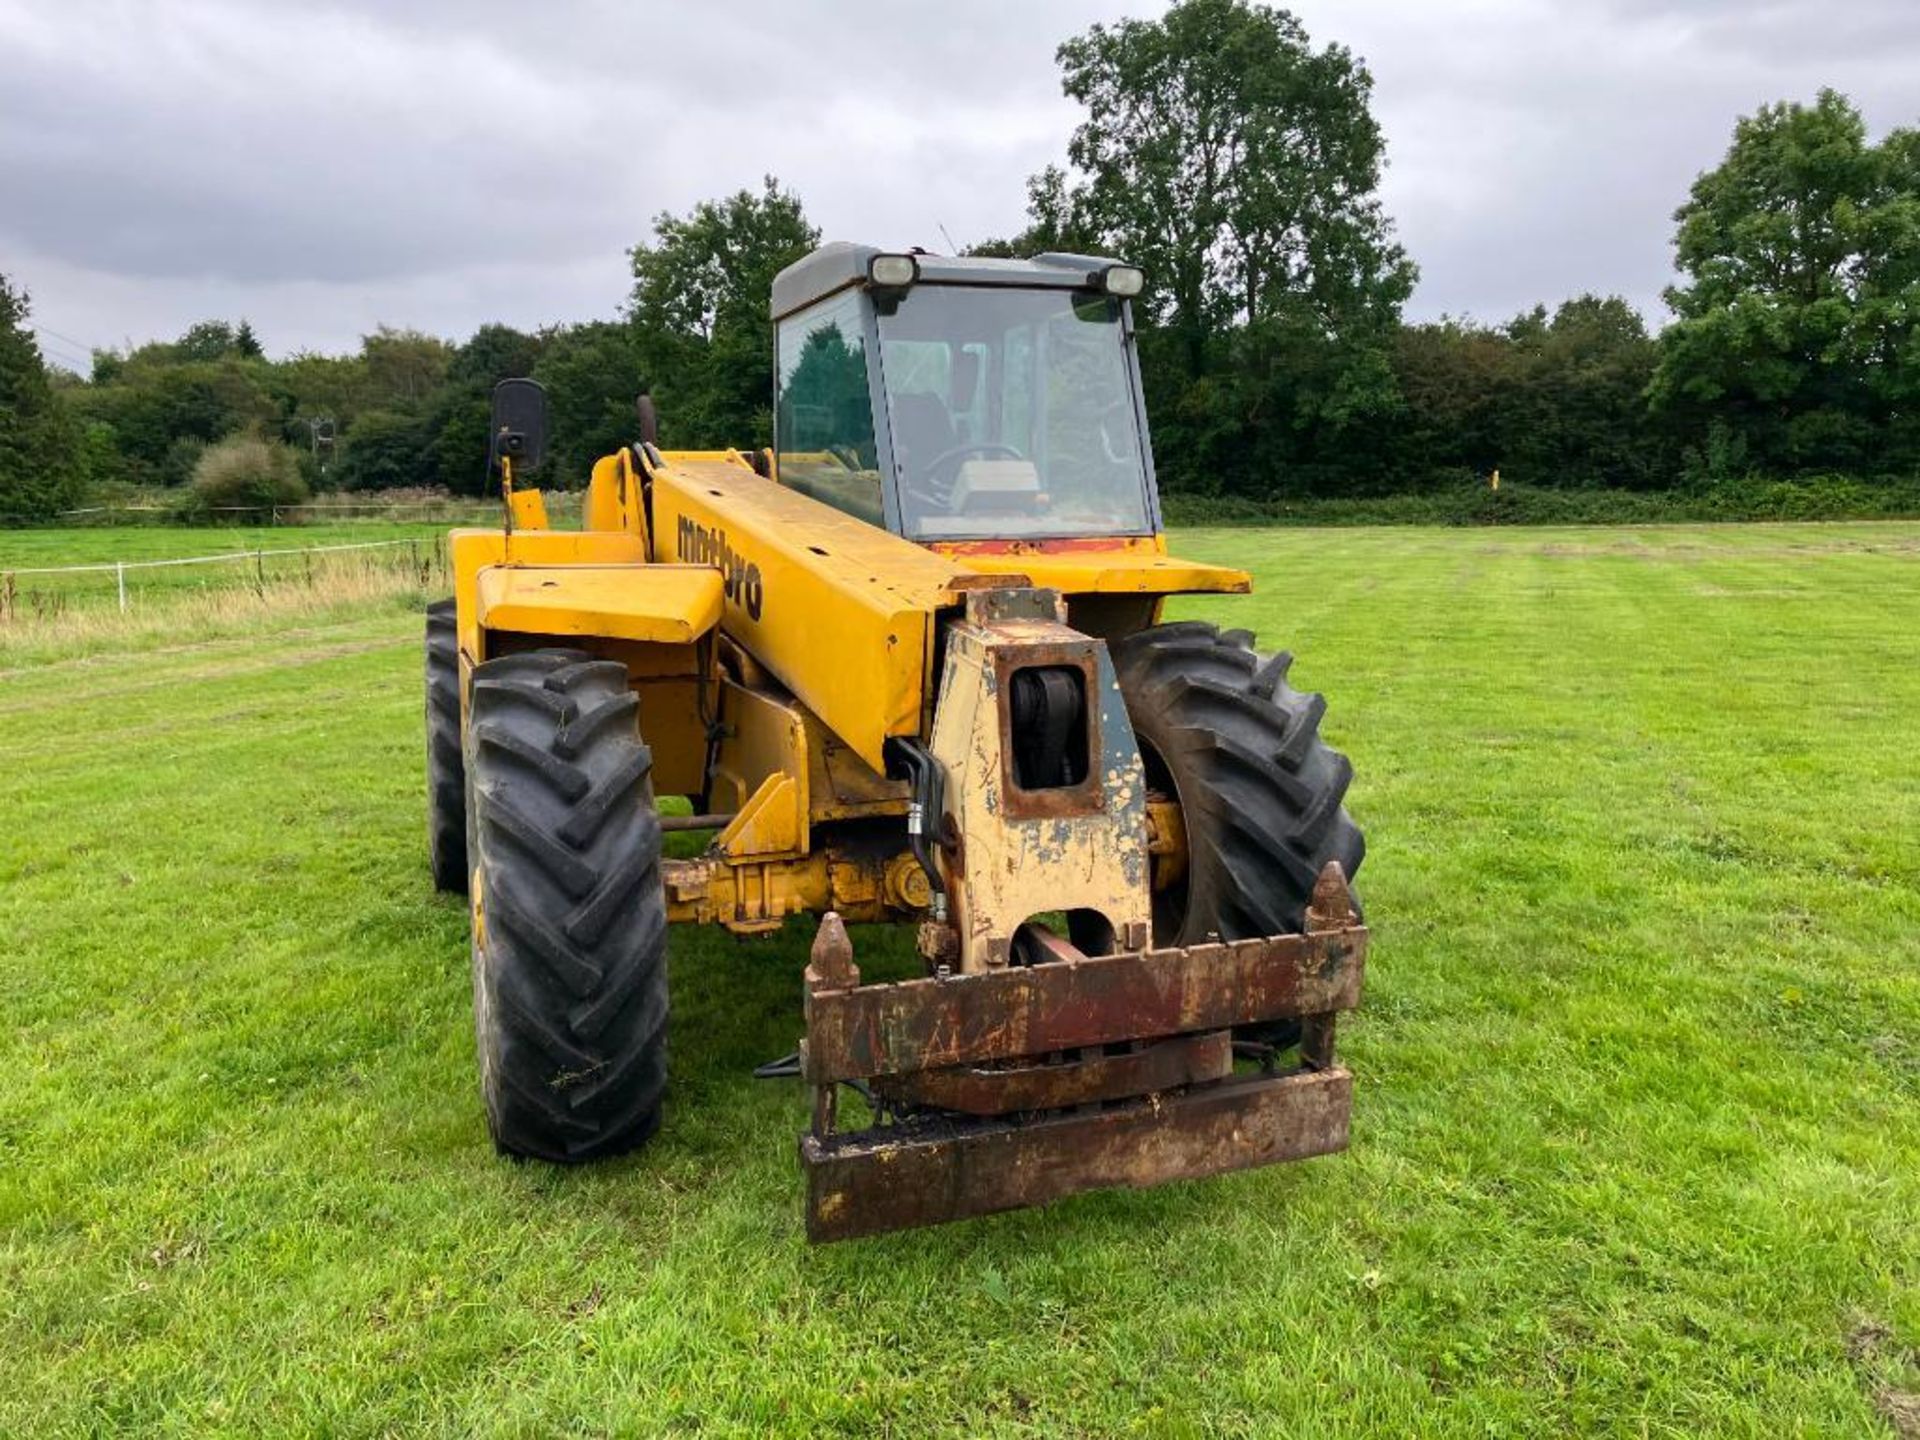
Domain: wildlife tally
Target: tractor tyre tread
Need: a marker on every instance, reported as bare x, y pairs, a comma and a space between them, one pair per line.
570, 953
446, 766
1260, 792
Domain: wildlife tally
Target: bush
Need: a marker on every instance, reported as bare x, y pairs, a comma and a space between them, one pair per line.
182, 459
241, 479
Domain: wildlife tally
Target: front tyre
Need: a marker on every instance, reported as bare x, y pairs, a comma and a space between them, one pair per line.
570, 923
1223, 733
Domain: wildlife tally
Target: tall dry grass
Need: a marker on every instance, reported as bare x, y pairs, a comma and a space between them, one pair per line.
252, 601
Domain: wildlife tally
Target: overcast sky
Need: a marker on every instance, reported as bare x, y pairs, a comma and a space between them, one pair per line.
439, 163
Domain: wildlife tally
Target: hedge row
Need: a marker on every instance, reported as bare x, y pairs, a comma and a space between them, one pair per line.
1821, 497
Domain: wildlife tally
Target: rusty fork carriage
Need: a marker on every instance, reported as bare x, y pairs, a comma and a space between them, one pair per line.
1014, 1087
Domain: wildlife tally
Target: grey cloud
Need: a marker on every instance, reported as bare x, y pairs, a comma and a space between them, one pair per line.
444, 162
1791, 32
226, 143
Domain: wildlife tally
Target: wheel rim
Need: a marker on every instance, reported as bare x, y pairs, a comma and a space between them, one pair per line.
1171, 904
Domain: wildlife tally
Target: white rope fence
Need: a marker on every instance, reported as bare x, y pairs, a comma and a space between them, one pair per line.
302, 514
119, 568
421, 510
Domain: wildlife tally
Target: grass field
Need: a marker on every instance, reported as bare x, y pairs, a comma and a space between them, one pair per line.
1637, 1130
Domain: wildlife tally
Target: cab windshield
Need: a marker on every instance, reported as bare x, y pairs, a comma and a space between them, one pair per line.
1012, 414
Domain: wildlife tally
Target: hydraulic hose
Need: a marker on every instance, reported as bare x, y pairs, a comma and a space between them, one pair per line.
925, 806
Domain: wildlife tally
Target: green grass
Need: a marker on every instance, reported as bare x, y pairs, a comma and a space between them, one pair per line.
1637, 1130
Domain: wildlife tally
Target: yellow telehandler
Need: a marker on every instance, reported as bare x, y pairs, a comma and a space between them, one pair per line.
907, 665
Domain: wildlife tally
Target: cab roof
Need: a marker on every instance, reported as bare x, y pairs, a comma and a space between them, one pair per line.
839, 264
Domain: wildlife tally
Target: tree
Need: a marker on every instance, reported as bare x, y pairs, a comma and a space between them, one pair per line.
1233, 161
462, 407
404, 367
164, 410
1057, 220
1553, 399
101, 464
386, 450
1582, 418
307, 384
592, 373
1796, 323
1238, 166
209, 340
206, 340
699, 313
40, 459
1456, 379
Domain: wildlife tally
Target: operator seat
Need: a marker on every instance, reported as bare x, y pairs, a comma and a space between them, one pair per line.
923, 430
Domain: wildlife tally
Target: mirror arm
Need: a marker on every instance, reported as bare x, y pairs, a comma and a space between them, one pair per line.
506, 500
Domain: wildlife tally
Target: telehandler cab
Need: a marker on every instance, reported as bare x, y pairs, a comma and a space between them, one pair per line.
907, 665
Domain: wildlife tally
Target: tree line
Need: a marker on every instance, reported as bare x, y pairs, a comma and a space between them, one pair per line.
1239, 164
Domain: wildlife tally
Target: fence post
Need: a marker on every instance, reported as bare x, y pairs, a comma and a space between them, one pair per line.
120, 579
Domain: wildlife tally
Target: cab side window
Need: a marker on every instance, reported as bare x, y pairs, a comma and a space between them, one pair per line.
823, 422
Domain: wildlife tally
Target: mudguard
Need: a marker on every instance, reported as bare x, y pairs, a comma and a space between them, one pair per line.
652, 604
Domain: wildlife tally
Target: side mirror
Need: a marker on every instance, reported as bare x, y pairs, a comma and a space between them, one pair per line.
519, 425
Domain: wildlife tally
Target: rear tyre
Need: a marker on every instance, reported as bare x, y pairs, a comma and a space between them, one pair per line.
1260, 792
570, 922
446, 771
